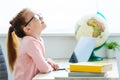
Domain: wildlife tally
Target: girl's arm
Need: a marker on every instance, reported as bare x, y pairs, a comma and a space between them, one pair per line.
52, 63
35, 52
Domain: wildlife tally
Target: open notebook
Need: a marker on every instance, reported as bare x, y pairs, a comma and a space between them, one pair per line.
82, 51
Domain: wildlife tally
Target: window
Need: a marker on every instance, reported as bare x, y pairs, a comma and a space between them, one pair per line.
61, 15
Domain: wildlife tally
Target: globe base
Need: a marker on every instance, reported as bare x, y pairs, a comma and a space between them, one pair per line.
95, 58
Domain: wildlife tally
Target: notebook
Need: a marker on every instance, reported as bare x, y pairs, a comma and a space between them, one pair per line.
82, 51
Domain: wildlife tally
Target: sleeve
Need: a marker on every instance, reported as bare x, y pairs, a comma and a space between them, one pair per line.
35, 52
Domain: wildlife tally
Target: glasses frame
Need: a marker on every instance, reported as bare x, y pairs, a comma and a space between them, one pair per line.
37, 16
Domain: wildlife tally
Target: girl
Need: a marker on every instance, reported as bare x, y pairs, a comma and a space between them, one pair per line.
30, 59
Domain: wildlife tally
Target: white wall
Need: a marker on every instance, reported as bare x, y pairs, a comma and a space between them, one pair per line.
61, 15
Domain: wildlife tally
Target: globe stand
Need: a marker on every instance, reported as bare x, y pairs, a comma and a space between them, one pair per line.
93, 57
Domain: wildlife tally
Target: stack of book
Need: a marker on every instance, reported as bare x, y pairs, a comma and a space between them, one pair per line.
89, 69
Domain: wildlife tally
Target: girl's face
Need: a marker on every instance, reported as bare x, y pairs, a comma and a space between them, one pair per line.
34, 23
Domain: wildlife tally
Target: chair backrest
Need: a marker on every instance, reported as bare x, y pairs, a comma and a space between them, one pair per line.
3, 67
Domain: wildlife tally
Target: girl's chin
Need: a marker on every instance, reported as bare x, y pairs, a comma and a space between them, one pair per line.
45, 25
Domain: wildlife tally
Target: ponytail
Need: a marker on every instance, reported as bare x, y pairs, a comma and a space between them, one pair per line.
12, 47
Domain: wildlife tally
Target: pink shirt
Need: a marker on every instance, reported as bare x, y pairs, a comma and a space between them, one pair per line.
30, 60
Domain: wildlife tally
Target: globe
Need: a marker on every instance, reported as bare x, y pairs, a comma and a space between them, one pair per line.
93, 25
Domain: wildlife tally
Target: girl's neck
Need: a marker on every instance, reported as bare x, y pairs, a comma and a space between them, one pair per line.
36, 36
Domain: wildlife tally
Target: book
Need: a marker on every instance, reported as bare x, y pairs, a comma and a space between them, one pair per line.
98, 67
86, 74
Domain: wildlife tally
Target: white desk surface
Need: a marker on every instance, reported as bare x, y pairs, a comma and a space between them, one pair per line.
63, 74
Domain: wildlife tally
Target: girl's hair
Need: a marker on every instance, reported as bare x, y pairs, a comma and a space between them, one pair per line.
16, 28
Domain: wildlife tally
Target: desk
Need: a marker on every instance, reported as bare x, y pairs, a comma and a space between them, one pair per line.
63, 74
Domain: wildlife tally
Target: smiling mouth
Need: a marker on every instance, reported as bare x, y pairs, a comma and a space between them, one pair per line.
42, 22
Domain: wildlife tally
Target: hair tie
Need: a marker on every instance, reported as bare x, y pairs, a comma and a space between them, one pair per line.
13, 28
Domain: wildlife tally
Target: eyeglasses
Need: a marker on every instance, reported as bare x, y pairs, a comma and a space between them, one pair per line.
36, 16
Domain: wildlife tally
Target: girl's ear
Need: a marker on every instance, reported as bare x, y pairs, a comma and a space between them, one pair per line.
26, 29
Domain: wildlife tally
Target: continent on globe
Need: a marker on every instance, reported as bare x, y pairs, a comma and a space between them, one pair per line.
98, 27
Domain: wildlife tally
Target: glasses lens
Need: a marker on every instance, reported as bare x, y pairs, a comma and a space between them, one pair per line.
40, 15
36, 17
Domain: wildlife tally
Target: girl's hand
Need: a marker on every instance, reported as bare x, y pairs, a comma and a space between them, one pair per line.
53, 64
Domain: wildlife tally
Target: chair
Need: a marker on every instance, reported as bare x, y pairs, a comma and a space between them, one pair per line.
3, 67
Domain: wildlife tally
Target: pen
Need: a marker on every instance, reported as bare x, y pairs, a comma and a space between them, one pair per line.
63, 69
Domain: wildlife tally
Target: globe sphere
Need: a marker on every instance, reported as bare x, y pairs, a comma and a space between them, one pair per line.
93, 25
